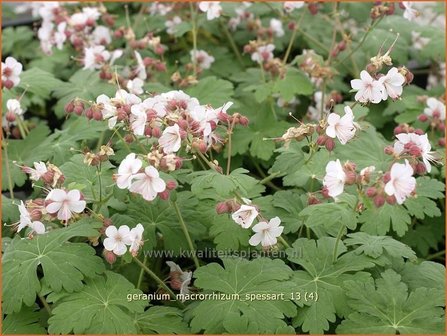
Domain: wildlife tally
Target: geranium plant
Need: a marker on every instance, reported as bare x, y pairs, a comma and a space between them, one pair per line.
214, 167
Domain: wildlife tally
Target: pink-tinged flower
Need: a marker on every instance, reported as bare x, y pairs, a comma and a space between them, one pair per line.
135, 86
263, 53
392, 84
123, 97
148, 184
138, 119
335, 178
402, 182
95, 57
108, 110
59, 35
212, 9
127, 170
136, 239
266, 233
341, 127
435, 109
39, 170
276, 27
141, 68
245, 215
421, 142
13, 105
117, 239
368, 89
26, 221
11, 71
410, 13
171, 139
65, 203
171, 25
179, 280
419, 42
101, 35
202, 58
289, 6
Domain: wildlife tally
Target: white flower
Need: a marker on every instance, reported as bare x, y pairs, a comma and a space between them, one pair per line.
367, 171
148, 184
117, 239
179, 278
335, 178
266, 233
421, 141
276, 27
341, 127
410, 13
59, 35
101, 35
202, 58
141, 68
419, 42
108, 110
39, 170
212, 9
392, 84
95, 57
11, 71
171, 25
135, 86
289, 6
13, 105
65, 203
435, 108
25, 221
263, 53
136, 239
91, 13
160, 9
127, 170
46, 36
245, 215
402, 182
368, 89
123, 97
138, 119
171, 139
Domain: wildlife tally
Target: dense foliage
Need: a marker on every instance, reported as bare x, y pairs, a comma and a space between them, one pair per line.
219, 167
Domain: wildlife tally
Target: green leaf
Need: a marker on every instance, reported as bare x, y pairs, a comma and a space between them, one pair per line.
386, 306
213, 91
294, 83
426, 274
430, 188
376, 246
10, 211
323, 276
22, 323
39, 82
64, 264
239, 314
162, 320
211, 184
227, 234
100, 307
378, 221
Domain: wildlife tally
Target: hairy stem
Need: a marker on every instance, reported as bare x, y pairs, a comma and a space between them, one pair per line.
8, 170
185, 231
232, 43
45, 303
194, 36
140, 276
340, 233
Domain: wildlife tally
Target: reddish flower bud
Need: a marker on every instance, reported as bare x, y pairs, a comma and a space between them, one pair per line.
409, 77
156, 132
89, 113
291, 25
147, 131
107, 222
313, 8
441, 142
243, 120
121, 114
389, 150
97, 115
325, 192
415, 151
10, 116
391, 9
330, 144
69, 107
118, 33
398, 129
222, 207
129, 138
420, 168
312, 200
391, 200
418, 131
386, 177
178, 162
351, 177
379, 201
109, 256
371, 192
436, 114
8, 84
202, 147
171, 185
164, 195
342, 45
422, 117
321, 140
36, 214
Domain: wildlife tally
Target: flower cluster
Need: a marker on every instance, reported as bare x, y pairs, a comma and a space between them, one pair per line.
119, 238
11, 71
179, 279
64, 204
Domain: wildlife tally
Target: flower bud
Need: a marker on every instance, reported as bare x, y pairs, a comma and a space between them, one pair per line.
48, 177
321, 140
398, 130
97, 115
330, 144
422, 117
89, 113
420, 168
164, 195
325, 192
8, 84
418, 131
10, 116
312, 200
371, 192
222, 207
243, 121
387, 177
351, 177
391, 200
109, 256
389, 150
156, 132
171, 184
69, 107
313, 8
414, 151
441, 142
379, 201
